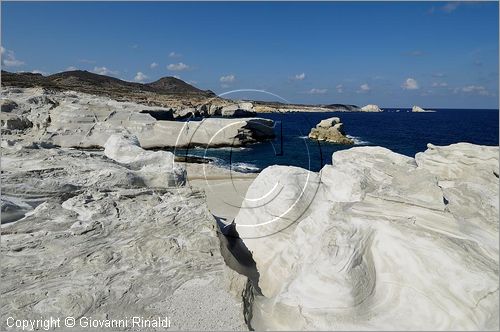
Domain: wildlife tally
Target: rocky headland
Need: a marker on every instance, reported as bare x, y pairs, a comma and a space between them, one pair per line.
330, 130
183, 99
81, 120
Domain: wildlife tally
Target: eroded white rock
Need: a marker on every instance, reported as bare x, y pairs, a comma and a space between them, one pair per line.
330, 130
243, 109
156, 168
370, 108
382, 242
103, 244
71, 119
418, 109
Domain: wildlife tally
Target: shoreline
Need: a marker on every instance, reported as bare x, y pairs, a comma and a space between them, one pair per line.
225, 190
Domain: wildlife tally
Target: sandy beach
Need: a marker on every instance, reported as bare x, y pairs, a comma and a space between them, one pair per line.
225, 190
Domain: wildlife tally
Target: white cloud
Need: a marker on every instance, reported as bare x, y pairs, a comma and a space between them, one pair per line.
449, 7
315, 91
153, 65
174, 55
177, 77
104, 71
71, 68
178, 66
364, 88
410, 84
439, 84
426, 93
227, 79
300, 77
438, 75
9, 58
474, 89
134, 46
192, 82
37, 71
340, 88
140, 77
224, 86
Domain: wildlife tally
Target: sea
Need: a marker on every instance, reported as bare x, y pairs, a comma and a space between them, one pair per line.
399, 130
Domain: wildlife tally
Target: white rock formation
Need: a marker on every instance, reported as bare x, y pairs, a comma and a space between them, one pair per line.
371, 108
377, 240
156, 169
417, 109
85, 235
70, 119
238, 110
330, 130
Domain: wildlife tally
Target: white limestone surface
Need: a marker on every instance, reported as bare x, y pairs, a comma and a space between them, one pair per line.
73, 119
377, 240
156, 168
85, 235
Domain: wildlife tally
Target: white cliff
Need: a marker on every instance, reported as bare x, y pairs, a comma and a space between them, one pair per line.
377, 240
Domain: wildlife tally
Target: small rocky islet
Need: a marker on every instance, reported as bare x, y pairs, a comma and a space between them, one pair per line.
98, 219
330, 130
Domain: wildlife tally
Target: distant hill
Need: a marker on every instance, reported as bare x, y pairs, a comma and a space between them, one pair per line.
166, 92
81, 78
84, 81
174, 85
24, 80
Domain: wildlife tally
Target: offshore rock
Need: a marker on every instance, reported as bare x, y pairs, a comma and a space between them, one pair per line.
330, 130
417, 109
370, 108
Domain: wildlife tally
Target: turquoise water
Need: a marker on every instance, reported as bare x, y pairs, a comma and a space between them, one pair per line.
402, 132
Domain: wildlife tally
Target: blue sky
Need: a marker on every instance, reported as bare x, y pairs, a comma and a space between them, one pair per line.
394, 54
